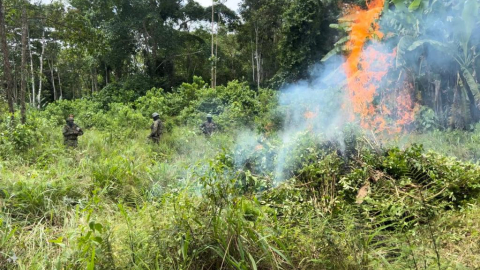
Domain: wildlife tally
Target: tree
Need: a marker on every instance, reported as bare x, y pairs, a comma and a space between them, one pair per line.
6, 62
24, 65
212, 59
260, 35
306, 37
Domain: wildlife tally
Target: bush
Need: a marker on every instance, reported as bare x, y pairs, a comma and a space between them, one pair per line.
85, 111
153, 101
233, 105
16, 137
425, 119
123, 116
113, 93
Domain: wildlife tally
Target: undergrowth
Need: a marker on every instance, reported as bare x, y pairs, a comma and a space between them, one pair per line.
231, 201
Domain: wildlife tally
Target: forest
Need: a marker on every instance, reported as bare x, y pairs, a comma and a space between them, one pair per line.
346, 134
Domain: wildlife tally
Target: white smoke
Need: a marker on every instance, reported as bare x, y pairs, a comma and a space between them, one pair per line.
312, 107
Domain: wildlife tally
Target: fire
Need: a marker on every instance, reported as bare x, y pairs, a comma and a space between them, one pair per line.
364, 27
366, 69
310, 115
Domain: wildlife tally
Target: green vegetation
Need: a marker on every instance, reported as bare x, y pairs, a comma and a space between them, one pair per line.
290, 180
193, 203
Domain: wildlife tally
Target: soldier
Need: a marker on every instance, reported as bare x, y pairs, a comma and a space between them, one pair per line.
71, 132
157, 128
209, 126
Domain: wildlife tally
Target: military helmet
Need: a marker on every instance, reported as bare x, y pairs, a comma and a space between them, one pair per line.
209, 116
155, 115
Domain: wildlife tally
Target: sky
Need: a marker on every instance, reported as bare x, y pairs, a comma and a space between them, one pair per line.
232, 4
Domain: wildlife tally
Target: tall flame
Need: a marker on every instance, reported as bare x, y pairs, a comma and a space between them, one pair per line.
366, 69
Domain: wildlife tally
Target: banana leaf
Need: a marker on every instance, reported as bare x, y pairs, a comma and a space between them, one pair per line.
402, 48
472, 84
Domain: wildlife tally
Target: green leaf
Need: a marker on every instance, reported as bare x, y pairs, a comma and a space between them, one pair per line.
98, 239
281, 255
92, 225
402, 47
471, 83
58, 241
342, 41
91, 263
10, 235
254, 264
415, 5
98, 227
335, 26
399, 5
470, 17
333, 52
437, 44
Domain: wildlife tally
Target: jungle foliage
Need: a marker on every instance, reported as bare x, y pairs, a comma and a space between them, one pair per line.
244, 198
78, 49
194, 202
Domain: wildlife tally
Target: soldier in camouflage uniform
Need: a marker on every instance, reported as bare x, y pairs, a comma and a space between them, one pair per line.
71, 132
156, 129
209, 126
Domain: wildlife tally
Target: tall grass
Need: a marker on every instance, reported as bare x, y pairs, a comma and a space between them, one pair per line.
119, 202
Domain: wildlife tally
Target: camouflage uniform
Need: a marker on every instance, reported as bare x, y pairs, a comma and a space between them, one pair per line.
208, 127
70, 134
157, 131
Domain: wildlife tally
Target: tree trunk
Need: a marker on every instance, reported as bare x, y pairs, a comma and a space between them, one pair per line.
213, 56
438, 100
93, 84
28, 89
60, 84
15, 78
253, 63
474, 111
106, 75
50, 63
32, 72
23, 89
6, 63
216, 53
257, 55
95, 78
39, 95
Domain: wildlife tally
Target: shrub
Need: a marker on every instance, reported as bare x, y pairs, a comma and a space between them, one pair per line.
16, 137
425, 119
153, 101
85, 111
114, 93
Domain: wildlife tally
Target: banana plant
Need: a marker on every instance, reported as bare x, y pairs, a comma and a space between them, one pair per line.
460, 47
340, 46
403, 20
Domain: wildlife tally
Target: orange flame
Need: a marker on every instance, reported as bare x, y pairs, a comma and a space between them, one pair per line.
366, 69
310, 115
